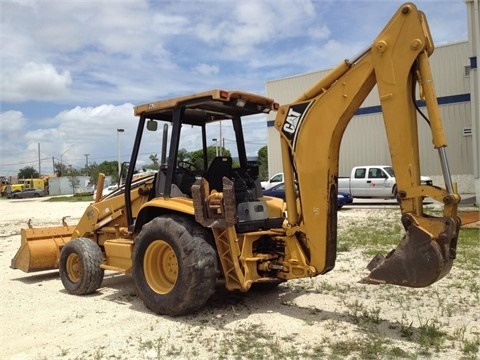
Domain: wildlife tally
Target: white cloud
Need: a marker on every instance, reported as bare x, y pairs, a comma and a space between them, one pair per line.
36, 82
11, 122
69, 135
249, 25
206, 69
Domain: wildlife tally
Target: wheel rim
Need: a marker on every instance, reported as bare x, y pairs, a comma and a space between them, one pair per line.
73, 267
160, 266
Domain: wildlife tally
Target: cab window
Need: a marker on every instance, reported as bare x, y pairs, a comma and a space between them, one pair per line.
360, 173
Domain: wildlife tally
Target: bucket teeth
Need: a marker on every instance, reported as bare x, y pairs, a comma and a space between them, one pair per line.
416, 262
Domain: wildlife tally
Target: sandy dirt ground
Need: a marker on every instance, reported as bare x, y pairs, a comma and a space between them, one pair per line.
330, 316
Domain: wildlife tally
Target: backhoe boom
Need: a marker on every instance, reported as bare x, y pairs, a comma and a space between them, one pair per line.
311, 130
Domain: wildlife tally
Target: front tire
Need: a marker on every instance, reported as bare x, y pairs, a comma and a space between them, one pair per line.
174, 267
79, 266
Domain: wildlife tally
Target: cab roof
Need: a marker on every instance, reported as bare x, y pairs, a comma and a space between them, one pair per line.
208, 106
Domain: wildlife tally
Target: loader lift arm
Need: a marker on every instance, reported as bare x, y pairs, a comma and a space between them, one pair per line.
314, 124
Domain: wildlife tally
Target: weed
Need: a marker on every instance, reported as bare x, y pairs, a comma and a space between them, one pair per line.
397, 353
359, 314
406, 329
471, 348
253, 341
343, 247
460, 333
370, 347
445, 307
98, 354
430, 335
160, 346
474, 288
63, 352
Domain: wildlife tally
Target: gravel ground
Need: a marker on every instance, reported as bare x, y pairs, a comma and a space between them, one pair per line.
331, 316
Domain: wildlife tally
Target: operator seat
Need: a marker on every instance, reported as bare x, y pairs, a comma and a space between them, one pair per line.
219, 167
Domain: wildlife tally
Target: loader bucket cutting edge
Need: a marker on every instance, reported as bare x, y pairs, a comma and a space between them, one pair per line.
418, 261
40, 248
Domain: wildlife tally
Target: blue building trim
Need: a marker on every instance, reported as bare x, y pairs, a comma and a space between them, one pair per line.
443, 100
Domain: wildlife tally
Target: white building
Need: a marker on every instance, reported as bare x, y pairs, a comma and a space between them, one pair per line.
455, 74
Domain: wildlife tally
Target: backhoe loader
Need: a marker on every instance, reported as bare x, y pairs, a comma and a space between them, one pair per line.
186, 228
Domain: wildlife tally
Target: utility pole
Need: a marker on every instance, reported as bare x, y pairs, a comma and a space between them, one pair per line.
39, 163
118, 150
86, 163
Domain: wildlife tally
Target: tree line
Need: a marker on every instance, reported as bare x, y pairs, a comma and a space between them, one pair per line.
110, 168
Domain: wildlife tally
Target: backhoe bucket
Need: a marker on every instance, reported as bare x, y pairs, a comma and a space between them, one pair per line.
418, 261
40, 248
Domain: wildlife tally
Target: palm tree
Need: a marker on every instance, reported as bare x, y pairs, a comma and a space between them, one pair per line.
154, 159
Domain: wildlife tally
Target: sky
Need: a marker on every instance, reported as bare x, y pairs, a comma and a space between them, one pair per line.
71, 71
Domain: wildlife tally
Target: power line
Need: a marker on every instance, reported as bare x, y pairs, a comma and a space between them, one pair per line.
23, 163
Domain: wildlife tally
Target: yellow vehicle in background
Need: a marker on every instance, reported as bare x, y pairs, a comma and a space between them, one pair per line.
40, 183
3, 186
23, 184
181, 230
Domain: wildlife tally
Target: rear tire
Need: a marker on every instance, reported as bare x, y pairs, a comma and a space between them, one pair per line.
174, 267
79, 266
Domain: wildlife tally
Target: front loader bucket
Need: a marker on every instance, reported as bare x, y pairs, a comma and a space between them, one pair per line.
40, 248
418, 261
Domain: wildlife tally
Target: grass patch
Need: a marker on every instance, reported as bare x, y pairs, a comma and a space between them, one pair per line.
370, 347
468, 249
75, 198
429, 335
160, 347
255, 341
471, 348
373, 234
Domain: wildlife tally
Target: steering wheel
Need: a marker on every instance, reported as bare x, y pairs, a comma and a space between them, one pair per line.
187, 176
187, 166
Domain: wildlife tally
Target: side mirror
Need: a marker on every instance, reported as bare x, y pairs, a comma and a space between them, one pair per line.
152, 125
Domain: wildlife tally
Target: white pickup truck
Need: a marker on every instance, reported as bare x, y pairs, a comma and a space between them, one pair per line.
376, 181
274, 180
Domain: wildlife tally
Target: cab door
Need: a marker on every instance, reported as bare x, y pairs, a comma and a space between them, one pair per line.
377, 185
358, 182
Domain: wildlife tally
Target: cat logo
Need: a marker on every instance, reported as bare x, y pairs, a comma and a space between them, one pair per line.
293, 120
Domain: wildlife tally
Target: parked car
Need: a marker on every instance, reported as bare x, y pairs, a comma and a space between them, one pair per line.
106, 190
344, 198
278, 190
28, 193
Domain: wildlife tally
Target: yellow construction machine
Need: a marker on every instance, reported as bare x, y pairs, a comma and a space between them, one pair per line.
180, 231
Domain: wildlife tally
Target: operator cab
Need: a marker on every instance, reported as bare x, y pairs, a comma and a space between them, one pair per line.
197, 147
